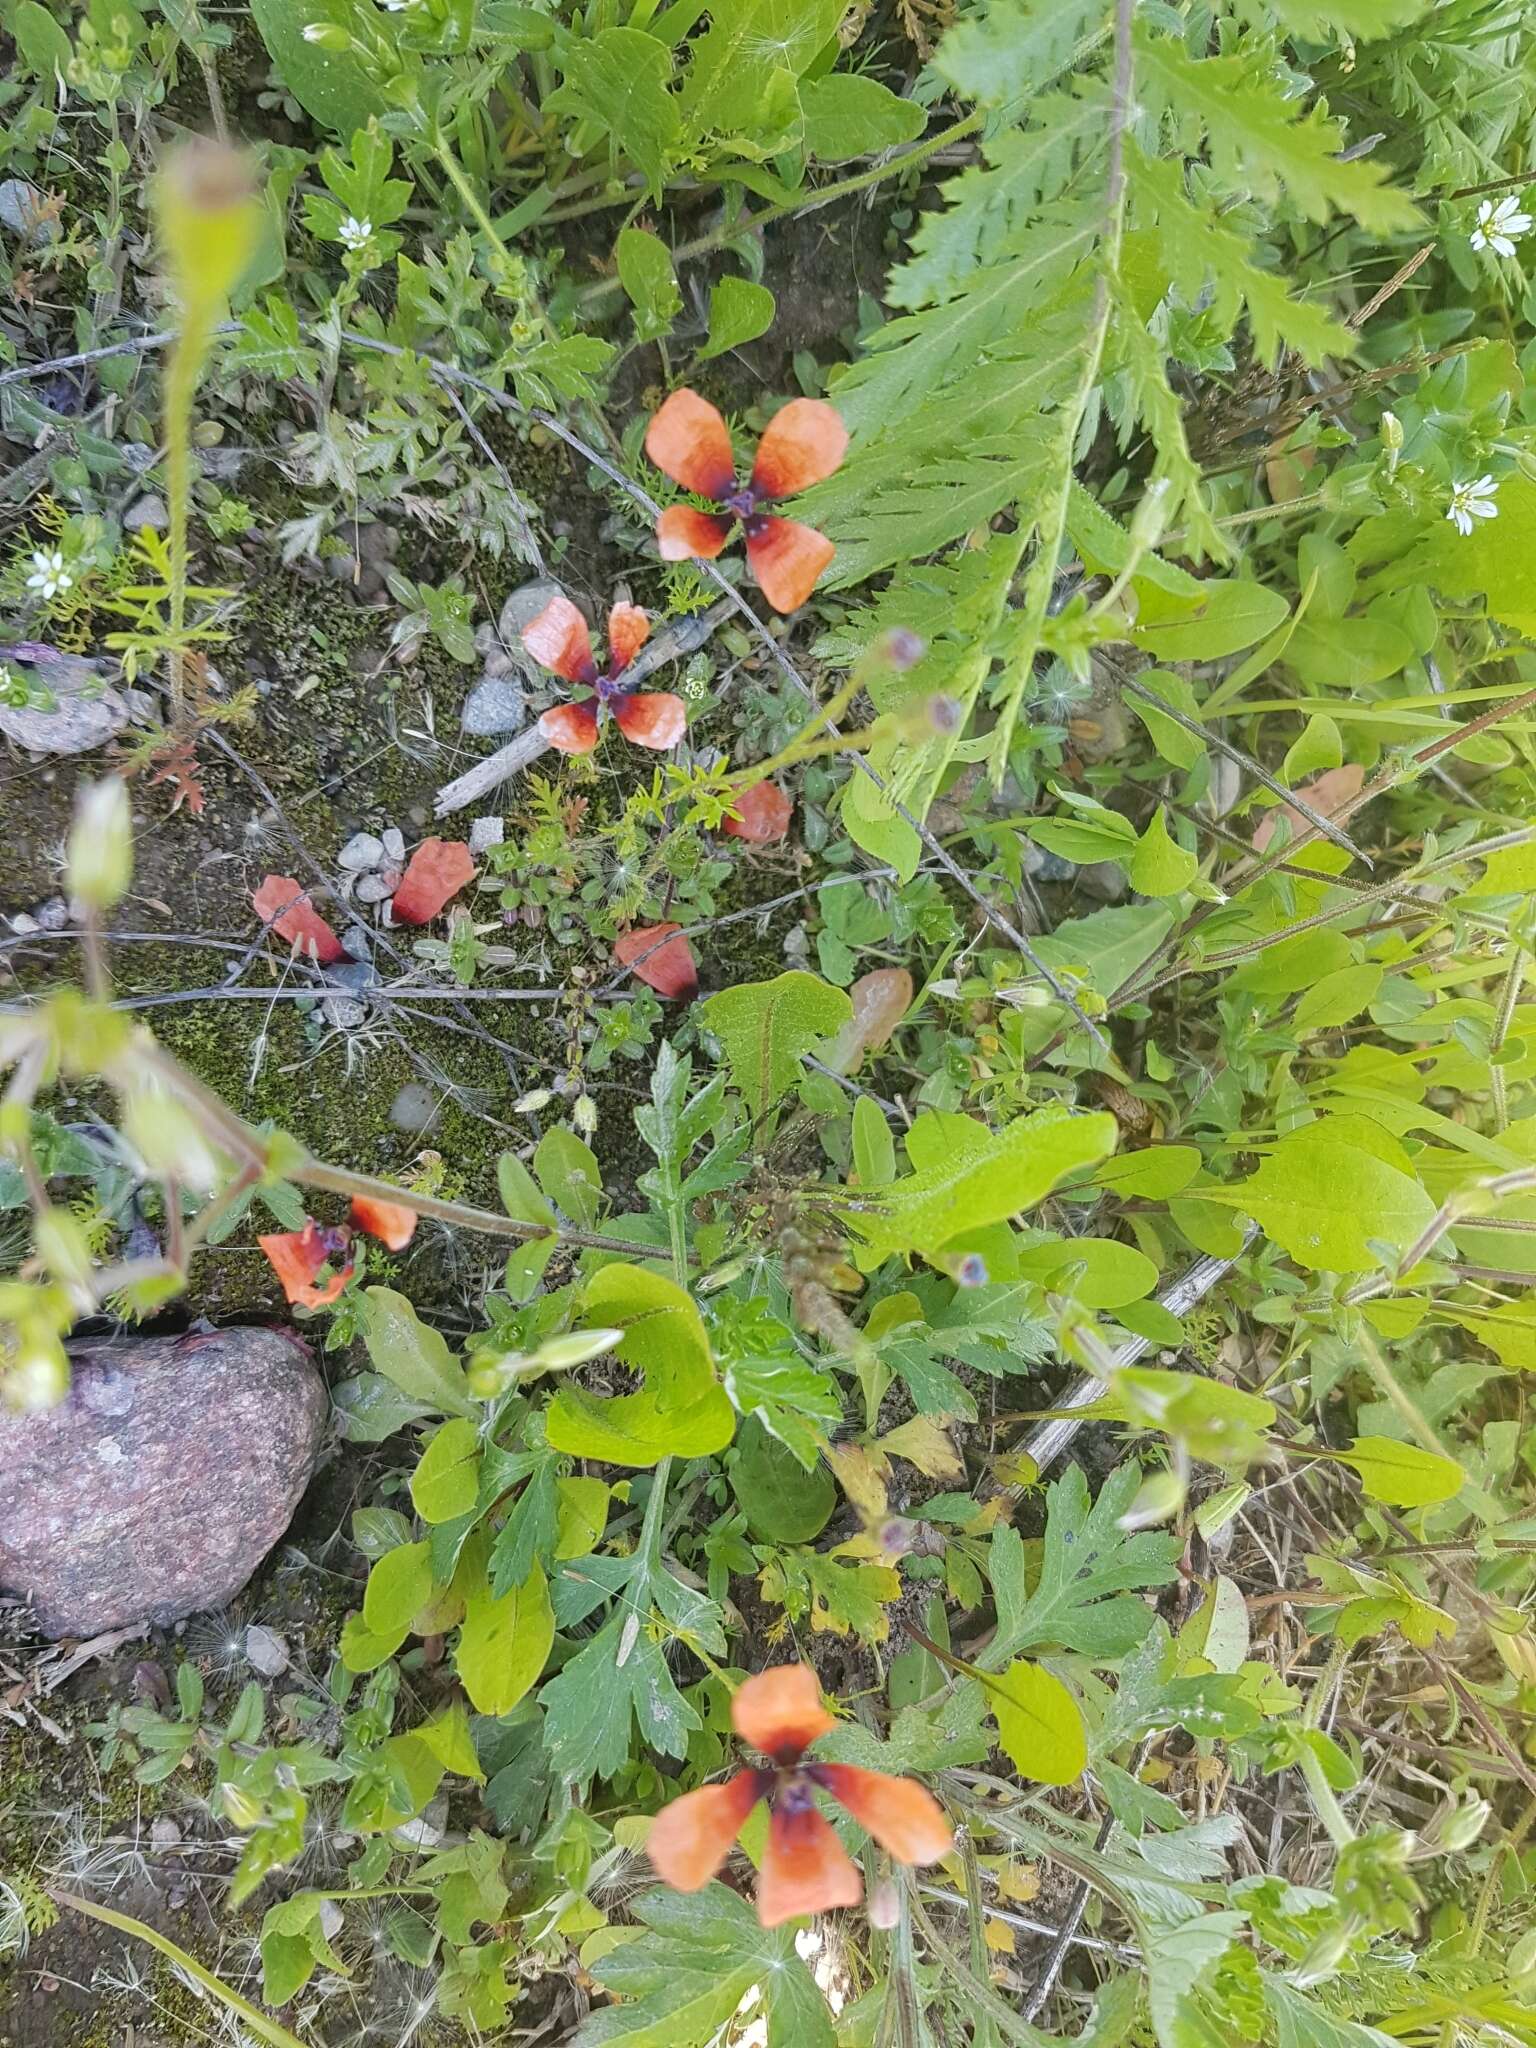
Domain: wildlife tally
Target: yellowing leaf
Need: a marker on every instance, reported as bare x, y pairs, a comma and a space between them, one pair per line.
503, 1643
1322, 1197
447, 1481
681, 1409
399, 1584
923, 1443
1039, 1723
1403, 1475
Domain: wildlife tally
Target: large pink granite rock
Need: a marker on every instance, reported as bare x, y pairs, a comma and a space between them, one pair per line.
163, 1479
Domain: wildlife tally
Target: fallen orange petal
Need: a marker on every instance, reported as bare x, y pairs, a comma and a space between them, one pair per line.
628, 631
684, 534
391, 1222
806, 1869
787, 558
903, 1816
296, 1256
780, 1711
558, 639
653, 718
804, 442
438, 871
284, 904
761, 813
570, 728
691, 1838
689, 442
670, 969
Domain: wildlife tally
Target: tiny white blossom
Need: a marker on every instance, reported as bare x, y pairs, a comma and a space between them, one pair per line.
1471, 501
1500, 226
49, 576
355, 233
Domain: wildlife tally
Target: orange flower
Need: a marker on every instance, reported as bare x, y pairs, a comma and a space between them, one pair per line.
390, 1222
690, 442
559, 641
805, 1868
298, 1256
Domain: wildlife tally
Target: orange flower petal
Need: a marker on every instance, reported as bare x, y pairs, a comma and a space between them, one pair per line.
296, 1256
284, 904
761, 813
805, 442
806, 1869
438, 871
559, 641
572, 728
780, 1711
903, 1816
654, 719
786, 559
670, 969
689, 442
628, 631
684, 535
691, 1838
391, 1222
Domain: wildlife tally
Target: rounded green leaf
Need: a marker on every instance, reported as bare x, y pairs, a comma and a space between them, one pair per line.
447, 1481
503, 1643
1403, 1475
1039, 1724
398, 1586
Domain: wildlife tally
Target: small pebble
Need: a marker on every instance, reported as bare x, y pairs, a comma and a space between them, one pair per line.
394, 846
358, 969
361, 851
164, 1834
494, 705
343, 1013
414, 1108
147, 511
266, 1651
378, 885
485, 833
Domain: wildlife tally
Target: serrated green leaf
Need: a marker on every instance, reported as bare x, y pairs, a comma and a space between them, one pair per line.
849, 115
1089, 1569
765, 1028
619, 79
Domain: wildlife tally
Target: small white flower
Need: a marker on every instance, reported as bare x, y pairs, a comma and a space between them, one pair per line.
355, 233
49, 576
1500, 226
1470, 501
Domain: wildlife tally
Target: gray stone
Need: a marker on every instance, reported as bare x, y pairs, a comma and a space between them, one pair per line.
86, 711
343, 1013
394, 846
485, 833
377, 885
25, 212
147, 511
266, 1651
161, 1481
358, 971
361, 851
414, 1108
494, 705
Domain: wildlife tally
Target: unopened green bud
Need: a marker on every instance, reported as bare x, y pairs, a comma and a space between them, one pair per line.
490, 1373
100, 862
169, 1140
1150, 517
1160, 1496
327, 35
240, 1807
576, 1347
38, 1376
584, 1115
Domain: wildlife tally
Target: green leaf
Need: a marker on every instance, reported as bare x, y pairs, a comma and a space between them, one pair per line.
782, 1501
619, 1678
970, 1176
1322, 1197
43, 46
1039, 1724
849, 115
765, 1027
874, 1149
681, 1408
412, 1356
646, 273
1229, 614
740, 66
1160, 866
1335, 998
521, 1196
1318, 21
1260, 140
503, 1644
1403, 1475
369, 1408
447, 1480
447, 1736
1180, 748
399, 1586
739, 311
1301, 2023
581, 1515
1089, 1569
619, 79
681, 1982
330, 85
568, 1172
1013, 49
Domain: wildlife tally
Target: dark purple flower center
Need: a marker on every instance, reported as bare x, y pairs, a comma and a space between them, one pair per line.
742, 502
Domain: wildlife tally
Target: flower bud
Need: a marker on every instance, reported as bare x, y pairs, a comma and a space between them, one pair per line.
169, 1140
209, 217
63, 1248
584, 1115
884, 1909
1160, 1496
100, 859
38, 1376
329, 35
239, 1806
535, 1100
576, 1347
